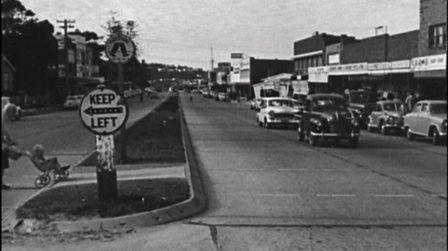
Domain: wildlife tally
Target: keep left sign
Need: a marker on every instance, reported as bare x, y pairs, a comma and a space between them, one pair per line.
103, 112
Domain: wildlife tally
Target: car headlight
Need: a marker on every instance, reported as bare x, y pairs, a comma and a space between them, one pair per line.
355, 122
444, 124
271, 114
390, 119
332, 118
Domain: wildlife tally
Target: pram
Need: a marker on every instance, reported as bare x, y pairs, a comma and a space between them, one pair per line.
50, 168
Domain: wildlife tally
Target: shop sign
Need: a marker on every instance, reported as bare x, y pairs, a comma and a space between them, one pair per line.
428, 63
380, 66
347, 69
318, 74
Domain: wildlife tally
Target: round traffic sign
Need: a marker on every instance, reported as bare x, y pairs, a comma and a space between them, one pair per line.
103, 112
119, 49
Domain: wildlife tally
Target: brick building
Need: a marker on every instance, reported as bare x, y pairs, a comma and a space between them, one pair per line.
430, 65
252, 70
312, 51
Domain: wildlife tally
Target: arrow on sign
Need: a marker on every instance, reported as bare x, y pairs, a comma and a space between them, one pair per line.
95, 111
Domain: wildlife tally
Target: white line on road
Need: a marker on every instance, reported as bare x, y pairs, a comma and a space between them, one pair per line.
292, 169
335, 195
393, 195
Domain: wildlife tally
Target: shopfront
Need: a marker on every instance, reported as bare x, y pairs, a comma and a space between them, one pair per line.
430, 76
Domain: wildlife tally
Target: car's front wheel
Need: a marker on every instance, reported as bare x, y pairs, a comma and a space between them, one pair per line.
267, 124
312, 140
409, 134
384, 129
300, 133
435, 137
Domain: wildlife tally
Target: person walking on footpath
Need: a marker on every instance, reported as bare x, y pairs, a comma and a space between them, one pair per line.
7, 142
409, 101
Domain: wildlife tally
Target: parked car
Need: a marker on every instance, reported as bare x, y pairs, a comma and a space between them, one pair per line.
326, 116
72, 101
428, 119
13, 111
223, 96
277, 111
361, 102
386, 117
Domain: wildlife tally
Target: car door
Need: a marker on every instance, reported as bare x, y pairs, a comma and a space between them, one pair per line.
415, 118
423, 121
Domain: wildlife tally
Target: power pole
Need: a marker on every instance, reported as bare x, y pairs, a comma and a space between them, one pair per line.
66, 26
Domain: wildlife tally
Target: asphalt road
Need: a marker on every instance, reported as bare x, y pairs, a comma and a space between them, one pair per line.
267, 189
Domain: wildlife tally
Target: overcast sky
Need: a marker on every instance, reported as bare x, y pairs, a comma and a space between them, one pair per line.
182, 31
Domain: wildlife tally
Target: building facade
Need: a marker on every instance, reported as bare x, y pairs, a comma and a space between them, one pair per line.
312, 52
80, 72
249, 71
430, 65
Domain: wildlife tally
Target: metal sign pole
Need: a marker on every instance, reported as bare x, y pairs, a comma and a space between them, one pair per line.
106, 173
123, 130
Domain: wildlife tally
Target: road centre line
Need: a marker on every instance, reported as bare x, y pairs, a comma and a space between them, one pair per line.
335, 195
393, 195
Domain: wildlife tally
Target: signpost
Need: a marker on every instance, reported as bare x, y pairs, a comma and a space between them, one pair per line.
104, 112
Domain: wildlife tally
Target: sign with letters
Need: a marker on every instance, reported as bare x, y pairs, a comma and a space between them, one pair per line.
119, 48
103, 112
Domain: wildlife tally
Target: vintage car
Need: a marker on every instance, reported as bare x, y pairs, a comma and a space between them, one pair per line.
428, 119
277, 111
386, 117
326, 116
72, 101
361, 102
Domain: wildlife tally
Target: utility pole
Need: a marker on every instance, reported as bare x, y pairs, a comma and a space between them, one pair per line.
66, 26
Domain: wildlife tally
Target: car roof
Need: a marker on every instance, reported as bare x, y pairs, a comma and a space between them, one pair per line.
388, 102
274, 98
433, 101
320, 95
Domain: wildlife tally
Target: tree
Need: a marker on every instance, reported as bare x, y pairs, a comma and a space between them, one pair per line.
13, 14
30, 46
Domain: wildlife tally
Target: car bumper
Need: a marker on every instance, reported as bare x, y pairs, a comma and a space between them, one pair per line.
283, 121
335, 135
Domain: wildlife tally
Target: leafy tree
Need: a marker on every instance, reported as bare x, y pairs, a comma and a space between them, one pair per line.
13, 14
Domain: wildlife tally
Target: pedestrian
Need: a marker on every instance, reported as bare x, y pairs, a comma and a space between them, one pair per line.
409, 102
8, 145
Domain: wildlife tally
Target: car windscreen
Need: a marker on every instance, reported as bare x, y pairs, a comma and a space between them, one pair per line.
438, 108
328, 103
281, 102
360, 97
393, 107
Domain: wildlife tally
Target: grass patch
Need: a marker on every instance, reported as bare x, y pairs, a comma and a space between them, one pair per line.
81, 201
155, 138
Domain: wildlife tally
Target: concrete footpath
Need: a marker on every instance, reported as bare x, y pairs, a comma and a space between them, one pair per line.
22, 173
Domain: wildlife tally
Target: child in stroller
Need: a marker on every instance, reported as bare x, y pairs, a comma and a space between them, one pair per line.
46, 166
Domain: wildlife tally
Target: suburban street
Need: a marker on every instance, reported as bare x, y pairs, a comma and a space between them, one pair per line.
258, 178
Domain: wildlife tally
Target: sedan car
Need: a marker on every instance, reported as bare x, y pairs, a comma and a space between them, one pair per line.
387, 116
13, 111
326, 116
428, 119
277, 111
72, 101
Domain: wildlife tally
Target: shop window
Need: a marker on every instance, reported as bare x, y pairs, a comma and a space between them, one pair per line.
437, 36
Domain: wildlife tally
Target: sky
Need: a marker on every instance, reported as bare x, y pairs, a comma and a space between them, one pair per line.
183, 32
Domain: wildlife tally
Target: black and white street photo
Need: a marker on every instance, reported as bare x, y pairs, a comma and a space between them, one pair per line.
224, 125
